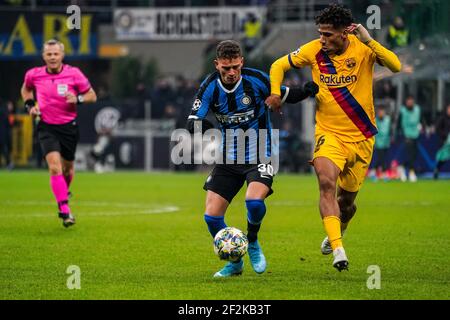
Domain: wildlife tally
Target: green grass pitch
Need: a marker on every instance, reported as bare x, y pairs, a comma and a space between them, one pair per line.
142, 236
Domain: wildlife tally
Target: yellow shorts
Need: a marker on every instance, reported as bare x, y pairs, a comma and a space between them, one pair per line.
352, 158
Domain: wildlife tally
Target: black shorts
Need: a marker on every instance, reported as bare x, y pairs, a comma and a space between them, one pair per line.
227, 180
59, 137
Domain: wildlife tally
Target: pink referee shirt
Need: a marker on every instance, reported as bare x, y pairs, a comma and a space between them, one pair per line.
50, 91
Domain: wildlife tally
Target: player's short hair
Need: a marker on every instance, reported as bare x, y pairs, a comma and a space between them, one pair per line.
53, 42
336, 15
228, 49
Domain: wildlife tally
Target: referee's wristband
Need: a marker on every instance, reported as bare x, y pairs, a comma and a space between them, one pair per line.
29, 103
80, 99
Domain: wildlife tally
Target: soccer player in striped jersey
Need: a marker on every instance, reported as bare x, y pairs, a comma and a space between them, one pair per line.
236, 96
342, 62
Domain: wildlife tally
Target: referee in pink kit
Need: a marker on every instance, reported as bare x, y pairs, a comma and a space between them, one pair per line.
58, 89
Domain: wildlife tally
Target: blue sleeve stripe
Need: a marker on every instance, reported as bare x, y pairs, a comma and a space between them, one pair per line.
292, 63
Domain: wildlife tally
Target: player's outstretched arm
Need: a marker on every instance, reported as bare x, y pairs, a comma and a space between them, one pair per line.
297, 94
277, 71
385, 56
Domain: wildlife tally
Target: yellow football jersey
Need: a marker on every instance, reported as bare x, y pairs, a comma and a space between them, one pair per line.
344, 101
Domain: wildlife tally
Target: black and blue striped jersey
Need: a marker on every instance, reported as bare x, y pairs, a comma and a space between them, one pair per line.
241, 107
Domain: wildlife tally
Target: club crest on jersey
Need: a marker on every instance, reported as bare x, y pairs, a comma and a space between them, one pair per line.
246, 100
350, 62
296, 52
197, 104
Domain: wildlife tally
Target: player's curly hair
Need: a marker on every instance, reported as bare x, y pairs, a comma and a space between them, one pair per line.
228, 49
336, 15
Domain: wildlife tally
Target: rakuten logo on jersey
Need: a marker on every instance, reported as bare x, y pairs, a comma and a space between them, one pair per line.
332, 80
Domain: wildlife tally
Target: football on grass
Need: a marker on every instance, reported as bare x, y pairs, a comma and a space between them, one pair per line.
230, 244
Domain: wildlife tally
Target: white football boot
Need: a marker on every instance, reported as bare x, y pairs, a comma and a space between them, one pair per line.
340, 261
325, 247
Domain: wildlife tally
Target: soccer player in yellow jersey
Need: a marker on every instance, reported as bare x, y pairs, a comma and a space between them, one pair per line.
342, 62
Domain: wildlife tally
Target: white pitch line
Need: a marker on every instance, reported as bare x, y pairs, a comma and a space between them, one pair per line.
141, 212
81, 203
132, 208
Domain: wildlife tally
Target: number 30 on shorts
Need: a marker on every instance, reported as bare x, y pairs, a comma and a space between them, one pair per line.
265, 170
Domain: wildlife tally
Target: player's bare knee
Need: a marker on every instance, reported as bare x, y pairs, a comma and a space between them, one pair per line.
327, 186
216, 208
54, 168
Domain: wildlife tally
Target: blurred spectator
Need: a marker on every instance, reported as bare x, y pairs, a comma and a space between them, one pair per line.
443, 131
410, 124
6, 123
103, 95
173, 112
398, 34
183, 93
385, 90
252, 31
382, 144
170, 112
161, 95
294, 153
393, 171
186, 90
142, 96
